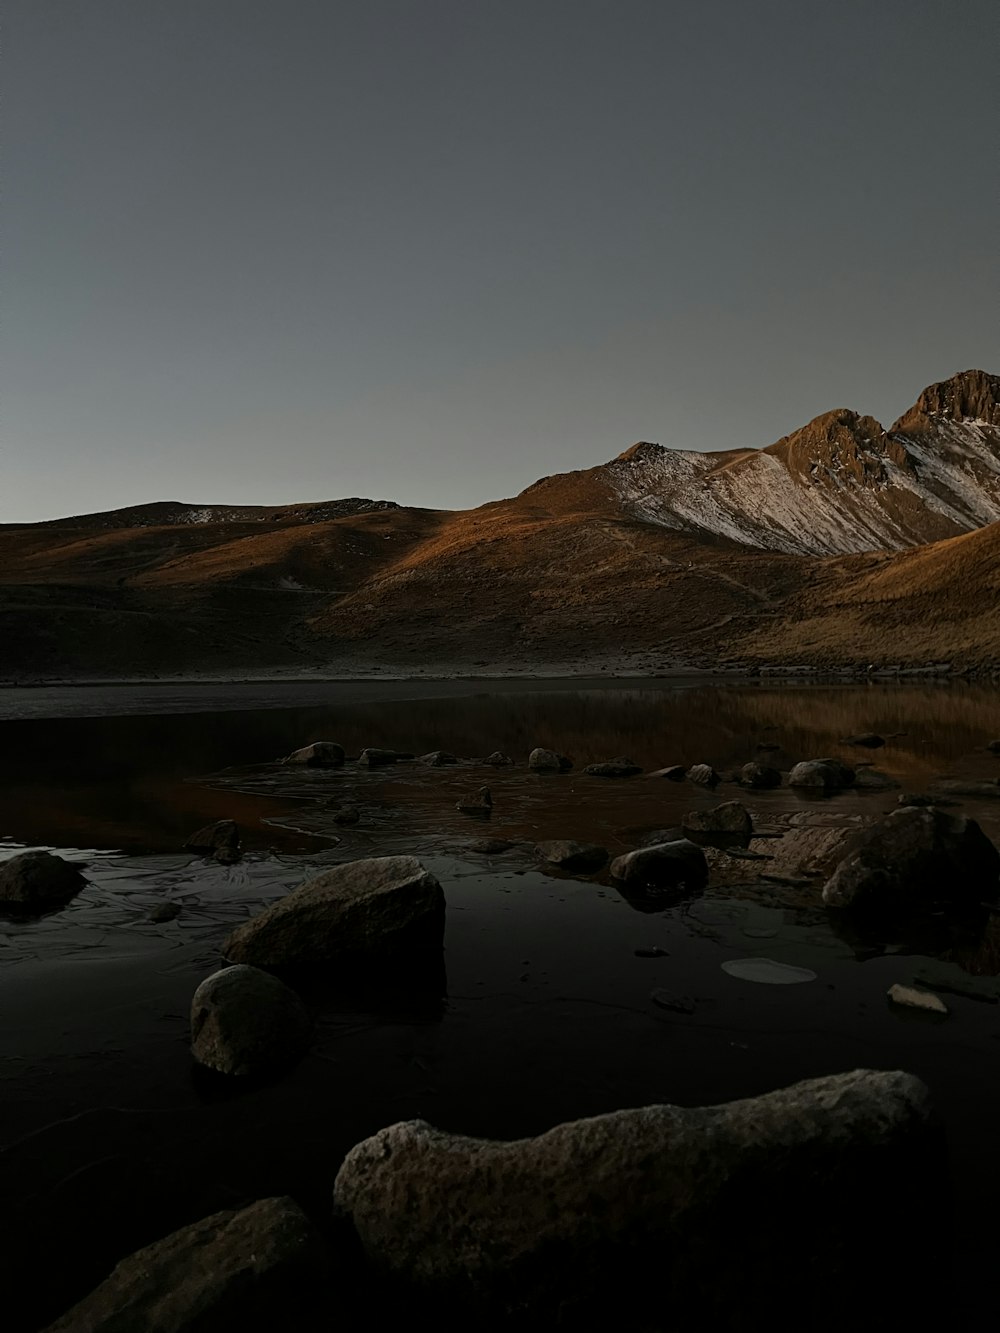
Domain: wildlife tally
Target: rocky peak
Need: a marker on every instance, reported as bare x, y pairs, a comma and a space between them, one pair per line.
640, 451
838, 445
971, 395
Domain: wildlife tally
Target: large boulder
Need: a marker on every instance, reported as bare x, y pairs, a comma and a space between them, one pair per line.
730, 820
548, 761
614, 768
220, 840
244, 1022
917, 858
231, 1271
39, 880
827, 775
320, 754
674, 1213
677, 865
759, 776
383, 908
580, 857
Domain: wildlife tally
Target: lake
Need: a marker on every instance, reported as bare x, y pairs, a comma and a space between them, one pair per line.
109, 1141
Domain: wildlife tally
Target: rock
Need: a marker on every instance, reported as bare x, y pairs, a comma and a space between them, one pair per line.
667, 865
827, 774
614, 768
438, 758
653, 839
349, 815
220, 840
677, 1004
569, 855
382, 908
917, 858
233, 1270
869, 739
375, 758
910, 998
993, 747
675, 773
39, 879
320, 754
759, 776
244, 1022
673, 1209
653, 952
873, 779
165, 912
988, 789
923, 798
731, 819
548, 761
498, 760
480, 805
491, 846
704, 774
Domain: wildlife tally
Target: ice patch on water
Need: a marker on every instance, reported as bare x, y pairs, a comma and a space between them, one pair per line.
767, 972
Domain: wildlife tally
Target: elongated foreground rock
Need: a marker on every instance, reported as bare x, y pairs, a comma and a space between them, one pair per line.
704, 1216
384, 907
230, 1271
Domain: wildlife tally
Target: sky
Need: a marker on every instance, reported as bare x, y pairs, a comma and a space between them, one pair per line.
259, 251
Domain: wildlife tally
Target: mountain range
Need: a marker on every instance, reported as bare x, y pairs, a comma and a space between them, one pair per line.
841, 543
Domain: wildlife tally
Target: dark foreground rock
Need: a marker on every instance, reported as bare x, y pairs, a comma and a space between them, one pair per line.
246, 1023
822, 774
759, 776
320, 754
614, 768
383, 908
667, 1214
39, 880
580, 857
677, 865
220, 840
231, 1272
916, 859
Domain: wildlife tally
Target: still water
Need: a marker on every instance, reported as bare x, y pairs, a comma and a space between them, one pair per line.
106, 1139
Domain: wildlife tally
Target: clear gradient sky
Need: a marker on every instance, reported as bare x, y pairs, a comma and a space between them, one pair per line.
258, 251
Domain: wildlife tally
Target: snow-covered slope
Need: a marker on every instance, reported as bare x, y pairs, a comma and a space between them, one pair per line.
841, 484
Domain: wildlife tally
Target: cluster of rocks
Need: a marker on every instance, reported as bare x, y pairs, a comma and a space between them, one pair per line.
633, 1213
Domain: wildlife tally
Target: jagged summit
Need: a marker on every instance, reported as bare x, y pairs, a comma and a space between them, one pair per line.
971, 395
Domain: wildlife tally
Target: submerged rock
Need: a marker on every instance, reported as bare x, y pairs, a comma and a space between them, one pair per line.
244, 1022
667, 865
671, 1208
825, 774
910, 998
915, 859
320, 754
233, 1270
548, 761
987, 789
491, 846
39, 879
381, 908
569, 855
220, 840
438, 758
873, 779
165, 912
614, 768
869, 739
759, 776
350, 814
